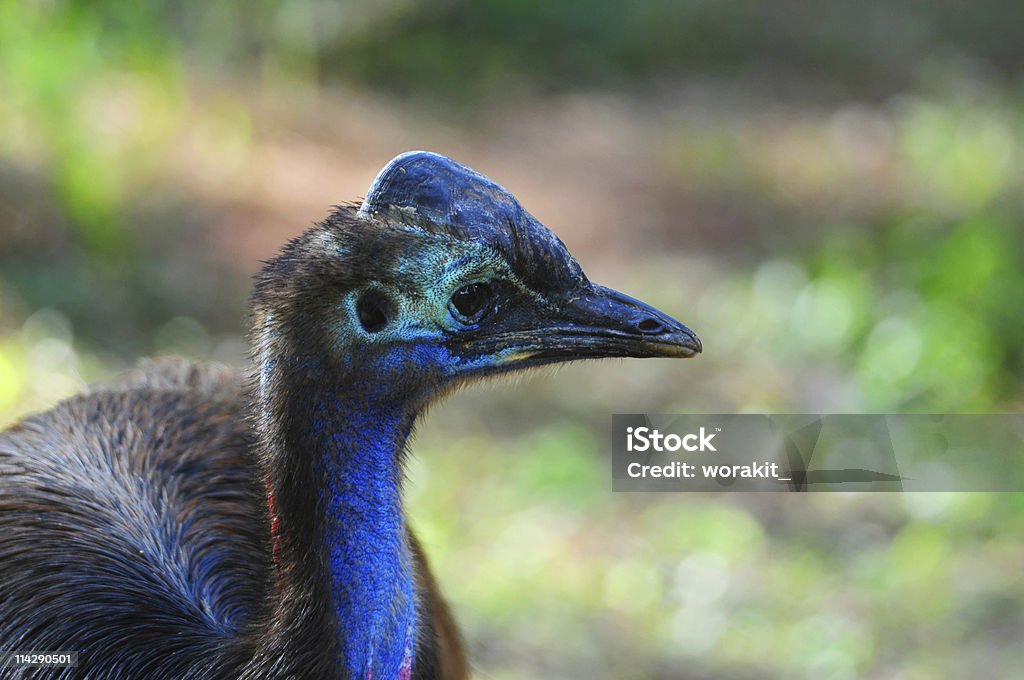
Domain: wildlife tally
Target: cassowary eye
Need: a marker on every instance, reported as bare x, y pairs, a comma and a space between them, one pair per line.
470, 303
374, 309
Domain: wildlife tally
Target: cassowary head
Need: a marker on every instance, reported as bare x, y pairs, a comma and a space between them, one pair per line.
438, 277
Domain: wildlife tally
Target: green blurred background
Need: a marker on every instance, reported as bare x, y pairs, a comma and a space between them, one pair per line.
829, 193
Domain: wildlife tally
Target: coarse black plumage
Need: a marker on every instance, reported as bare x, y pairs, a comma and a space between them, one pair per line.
185, 524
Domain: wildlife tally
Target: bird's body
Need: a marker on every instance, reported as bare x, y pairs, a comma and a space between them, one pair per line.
138, 552
187, 523
165, 466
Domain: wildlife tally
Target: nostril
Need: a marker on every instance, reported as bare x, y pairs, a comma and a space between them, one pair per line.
650, 326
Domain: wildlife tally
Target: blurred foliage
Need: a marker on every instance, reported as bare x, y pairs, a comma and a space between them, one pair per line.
864, 163
919, 292
94, 101
477, 47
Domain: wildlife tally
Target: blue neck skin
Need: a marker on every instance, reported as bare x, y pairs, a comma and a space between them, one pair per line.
364, 534
353, 430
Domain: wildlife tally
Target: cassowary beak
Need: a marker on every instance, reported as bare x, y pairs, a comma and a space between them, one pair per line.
595, 323
604, 323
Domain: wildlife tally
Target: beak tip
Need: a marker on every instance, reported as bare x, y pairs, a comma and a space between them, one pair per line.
687, 342
698, 346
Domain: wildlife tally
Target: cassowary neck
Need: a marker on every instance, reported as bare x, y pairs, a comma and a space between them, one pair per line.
335, 480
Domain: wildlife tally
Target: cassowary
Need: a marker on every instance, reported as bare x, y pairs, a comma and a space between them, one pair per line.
186, 524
